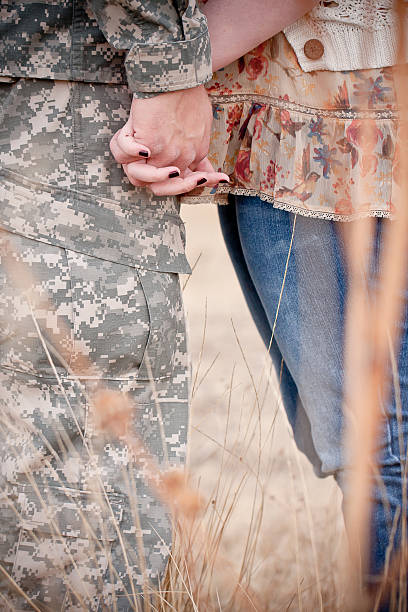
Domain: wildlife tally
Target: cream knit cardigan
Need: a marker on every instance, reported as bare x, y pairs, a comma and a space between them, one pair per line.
356, 34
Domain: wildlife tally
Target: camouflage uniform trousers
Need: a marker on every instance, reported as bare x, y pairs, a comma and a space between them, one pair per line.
81, 309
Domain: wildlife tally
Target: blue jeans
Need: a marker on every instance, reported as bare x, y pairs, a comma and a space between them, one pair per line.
307, 348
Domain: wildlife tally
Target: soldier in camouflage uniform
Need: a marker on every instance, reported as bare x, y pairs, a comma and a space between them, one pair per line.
80, 528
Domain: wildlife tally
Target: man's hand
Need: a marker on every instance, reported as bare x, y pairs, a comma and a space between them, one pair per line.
164, 143
171, 129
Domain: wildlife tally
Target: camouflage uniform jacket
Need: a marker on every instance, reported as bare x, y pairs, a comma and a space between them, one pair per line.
162, 45
68, 70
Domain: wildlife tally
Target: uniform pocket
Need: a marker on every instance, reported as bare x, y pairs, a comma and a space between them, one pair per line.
163, 296
125, 319
35, 306
83, 316
65, 540
111, 318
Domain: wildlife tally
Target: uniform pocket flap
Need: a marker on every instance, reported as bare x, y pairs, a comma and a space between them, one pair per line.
69, 512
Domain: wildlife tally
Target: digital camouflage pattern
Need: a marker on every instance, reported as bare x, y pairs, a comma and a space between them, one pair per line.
58, 174
175, 50
152, 45
104, 260
66, 491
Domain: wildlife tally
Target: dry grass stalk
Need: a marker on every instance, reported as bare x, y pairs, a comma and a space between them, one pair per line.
201, 561
199, 552
111, 412
372, 341
201, 576
207, 568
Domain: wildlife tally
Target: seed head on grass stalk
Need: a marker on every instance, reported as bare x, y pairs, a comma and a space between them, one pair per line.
111, 415
112, 412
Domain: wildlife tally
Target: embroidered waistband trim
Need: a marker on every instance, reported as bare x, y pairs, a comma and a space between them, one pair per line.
335, 113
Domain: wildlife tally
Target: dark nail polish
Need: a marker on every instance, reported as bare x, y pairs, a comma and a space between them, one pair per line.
143, 154
174, 174
202, 181
223, 181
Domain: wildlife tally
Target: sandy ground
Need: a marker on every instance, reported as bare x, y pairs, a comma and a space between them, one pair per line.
239, 429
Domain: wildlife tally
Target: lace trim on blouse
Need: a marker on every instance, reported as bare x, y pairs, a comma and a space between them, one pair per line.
315, 144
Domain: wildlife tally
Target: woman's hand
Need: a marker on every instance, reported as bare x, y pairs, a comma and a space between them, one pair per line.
160, 183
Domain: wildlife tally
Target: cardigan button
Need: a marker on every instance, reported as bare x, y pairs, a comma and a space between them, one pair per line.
313, 49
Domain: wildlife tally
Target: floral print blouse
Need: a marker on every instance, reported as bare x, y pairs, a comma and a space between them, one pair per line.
322, 144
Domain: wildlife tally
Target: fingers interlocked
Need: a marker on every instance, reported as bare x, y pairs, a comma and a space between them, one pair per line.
161, 181
176, 127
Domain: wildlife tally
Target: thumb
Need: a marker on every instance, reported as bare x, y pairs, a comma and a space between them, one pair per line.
128, 145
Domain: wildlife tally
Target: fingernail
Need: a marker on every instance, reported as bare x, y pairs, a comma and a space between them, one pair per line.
174, 174
143, 154
202, 181
223, 181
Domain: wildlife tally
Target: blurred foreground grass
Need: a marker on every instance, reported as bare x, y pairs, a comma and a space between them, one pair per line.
282, 529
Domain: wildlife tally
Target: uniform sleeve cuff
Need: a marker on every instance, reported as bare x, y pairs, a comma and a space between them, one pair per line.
157, 68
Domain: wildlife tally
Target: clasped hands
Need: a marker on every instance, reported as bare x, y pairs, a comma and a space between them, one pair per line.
164, 144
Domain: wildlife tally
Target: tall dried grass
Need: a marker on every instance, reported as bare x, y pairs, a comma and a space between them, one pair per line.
201, 574
372, 343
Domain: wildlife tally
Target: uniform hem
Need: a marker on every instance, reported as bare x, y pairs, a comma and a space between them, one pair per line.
131, 234
74, 193
107, 76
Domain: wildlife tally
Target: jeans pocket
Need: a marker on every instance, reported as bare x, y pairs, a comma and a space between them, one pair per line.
63, 555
